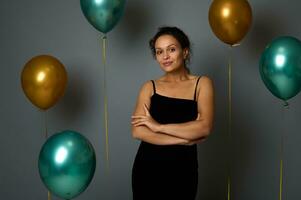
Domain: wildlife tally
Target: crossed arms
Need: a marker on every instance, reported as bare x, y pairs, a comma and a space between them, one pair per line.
145, 128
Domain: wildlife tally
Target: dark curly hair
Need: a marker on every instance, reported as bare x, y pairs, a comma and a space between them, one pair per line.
178, 34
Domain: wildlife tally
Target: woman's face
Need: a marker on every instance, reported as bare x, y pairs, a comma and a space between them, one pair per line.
169, 53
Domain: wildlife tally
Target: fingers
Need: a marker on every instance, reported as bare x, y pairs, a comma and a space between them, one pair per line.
146, 107
139, 124
138, 121
139, 117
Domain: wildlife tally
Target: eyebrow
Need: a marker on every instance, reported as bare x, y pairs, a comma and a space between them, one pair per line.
167, 46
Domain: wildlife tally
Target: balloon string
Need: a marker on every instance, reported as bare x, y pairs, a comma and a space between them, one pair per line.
46, 136
285, 106
45, 121
229, 187
281, 179
49, 195
104, 38
229, 121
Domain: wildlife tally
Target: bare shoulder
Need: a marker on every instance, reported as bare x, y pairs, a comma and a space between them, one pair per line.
205, 82
205, 87
144, 96
146, 89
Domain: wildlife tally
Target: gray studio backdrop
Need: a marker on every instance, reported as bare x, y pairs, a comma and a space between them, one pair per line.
32, 27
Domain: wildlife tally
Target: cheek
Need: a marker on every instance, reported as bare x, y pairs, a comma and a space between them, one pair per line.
180, 58
157, 58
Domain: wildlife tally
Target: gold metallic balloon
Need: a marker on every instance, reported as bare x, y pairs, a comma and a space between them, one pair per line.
230, 20
44, 81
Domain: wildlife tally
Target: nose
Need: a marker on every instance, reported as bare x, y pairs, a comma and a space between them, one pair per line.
165, 55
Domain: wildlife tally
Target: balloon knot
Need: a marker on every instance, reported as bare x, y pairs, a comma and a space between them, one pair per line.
286, 104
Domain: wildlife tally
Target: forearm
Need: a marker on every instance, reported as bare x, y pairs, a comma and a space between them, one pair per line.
197, 141
193, 130
145, 134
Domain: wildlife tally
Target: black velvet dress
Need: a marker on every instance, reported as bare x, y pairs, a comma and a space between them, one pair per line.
167, 172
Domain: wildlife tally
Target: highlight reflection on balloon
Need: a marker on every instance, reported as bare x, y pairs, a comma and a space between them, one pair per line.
280, 67
66, 164
44, 80
230, 20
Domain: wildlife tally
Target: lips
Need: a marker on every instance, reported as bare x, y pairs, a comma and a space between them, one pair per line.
167, 63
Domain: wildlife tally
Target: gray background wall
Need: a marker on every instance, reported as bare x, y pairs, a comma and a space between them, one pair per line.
33, 27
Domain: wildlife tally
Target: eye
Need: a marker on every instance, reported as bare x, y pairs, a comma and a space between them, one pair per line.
158, 52
172, 49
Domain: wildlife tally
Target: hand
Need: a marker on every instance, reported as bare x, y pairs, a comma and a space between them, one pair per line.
146, 120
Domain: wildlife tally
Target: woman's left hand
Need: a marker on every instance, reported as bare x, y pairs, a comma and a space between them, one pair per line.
146, 120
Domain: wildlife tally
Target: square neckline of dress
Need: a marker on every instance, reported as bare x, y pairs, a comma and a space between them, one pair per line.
175, 98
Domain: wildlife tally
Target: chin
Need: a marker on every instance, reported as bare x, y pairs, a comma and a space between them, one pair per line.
170, 69
167, 69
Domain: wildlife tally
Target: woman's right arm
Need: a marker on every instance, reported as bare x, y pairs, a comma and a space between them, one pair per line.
144, 133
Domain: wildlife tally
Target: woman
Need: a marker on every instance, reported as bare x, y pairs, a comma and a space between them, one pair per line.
172, 114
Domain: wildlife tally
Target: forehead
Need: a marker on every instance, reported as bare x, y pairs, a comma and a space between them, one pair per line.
165, 41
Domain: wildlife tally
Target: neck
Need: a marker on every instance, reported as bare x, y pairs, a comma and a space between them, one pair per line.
176, 76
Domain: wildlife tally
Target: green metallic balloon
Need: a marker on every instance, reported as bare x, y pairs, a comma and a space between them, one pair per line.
67, 164
280, 67
103, 14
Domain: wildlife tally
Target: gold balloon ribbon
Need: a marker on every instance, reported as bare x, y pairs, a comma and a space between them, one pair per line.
281, 179
45, 121
46, 136
49, 195
229, 121
285, 106
104, 39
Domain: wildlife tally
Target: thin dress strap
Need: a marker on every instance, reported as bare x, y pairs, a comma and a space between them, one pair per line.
154, 86
196, 86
